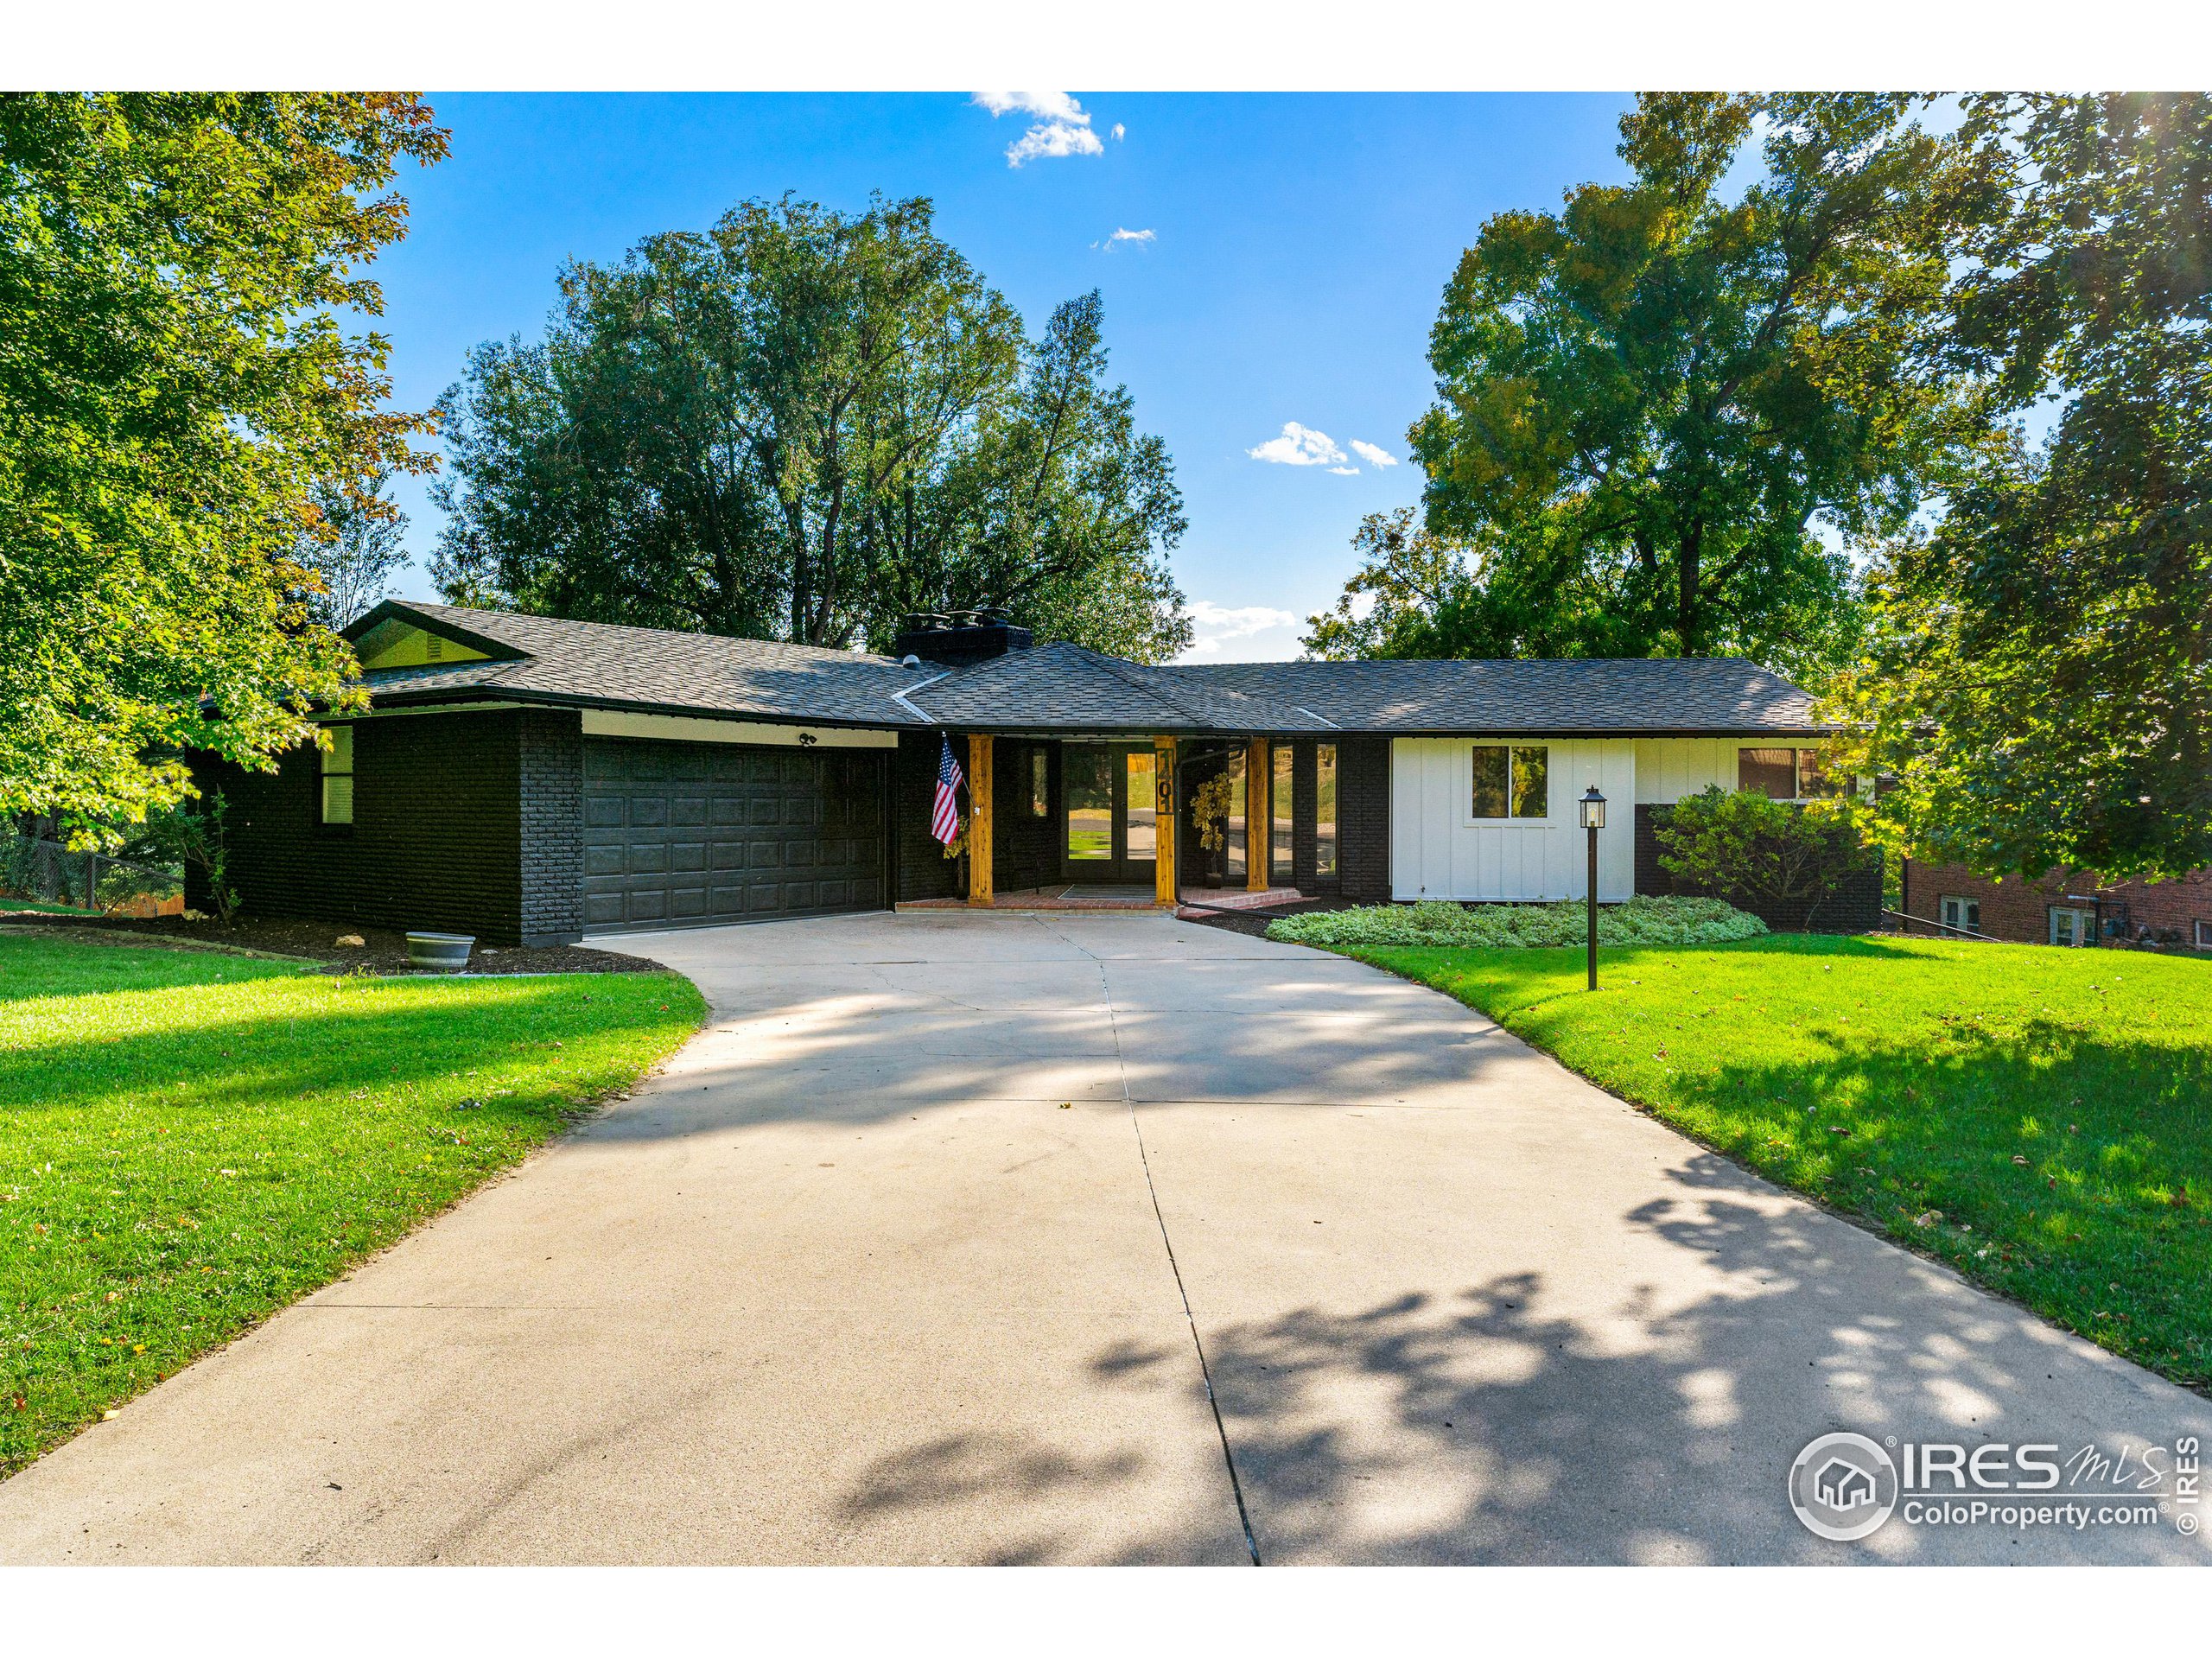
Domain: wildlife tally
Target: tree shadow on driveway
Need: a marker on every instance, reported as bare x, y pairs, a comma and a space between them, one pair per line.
1510, 1422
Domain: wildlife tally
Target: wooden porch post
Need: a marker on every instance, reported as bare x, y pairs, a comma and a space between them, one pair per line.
979, 890
1258, 815
1165, 892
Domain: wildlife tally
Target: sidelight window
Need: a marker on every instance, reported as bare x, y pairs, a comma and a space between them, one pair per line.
1324, 809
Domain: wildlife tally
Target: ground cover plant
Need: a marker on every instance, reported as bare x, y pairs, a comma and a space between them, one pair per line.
2036, 1117
1640, 920
190, 1139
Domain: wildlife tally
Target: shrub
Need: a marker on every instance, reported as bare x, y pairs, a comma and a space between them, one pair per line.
1751, 849
1640, 920
192, 839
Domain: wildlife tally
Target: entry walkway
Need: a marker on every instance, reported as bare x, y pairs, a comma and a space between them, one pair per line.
927, 1250
1093, 895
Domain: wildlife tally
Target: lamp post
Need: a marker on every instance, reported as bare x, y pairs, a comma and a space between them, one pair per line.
1593, 820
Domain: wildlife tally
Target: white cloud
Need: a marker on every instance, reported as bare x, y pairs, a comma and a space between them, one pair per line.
1374, 453
1135, 239
1300, 445
1120, 132
1345, 471
1062, 127
1052, 106
1214, 626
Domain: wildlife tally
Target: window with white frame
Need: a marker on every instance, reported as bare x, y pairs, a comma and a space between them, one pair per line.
2070, 927
338, 776
1510, 781
1962, 912
2204, 936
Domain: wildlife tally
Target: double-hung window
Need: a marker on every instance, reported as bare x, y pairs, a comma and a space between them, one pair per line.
2073, 927
338, 776
1511, 781
1962, 913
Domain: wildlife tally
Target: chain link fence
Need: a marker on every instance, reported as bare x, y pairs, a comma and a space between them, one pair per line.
48, 872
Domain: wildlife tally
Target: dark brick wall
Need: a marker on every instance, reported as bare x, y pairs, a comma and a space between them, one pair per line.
435, 840
550, 769
2020, 910
924, 870
1856, 908
1364, 817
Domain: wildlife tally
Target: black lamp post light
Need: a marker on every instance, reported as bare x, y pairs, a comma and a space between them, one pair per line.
1593, 820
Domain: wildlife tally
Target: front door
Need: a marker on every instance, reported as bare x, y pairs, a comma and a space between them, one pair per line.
1108, 832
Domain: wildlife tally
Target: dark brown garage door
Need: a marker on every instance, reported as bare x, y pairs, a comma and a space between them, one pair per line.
685, 834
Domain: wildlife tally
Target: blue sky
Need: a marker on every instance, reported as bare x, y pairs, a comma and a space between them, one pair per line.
1298, 245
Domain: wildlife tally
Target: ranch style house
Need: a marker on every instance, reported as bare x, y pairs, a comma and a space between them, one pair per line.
530, 780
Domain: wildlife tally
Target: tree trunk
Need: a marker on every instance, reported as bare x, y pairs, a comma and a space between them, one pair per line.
1689, 629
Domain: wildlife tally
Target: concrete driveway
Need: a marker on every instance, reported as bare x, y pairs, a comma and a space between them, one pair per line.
911, 1256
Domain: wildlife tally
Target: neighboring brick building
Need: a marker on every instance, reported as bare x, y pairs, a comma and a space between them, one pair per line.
2064, 908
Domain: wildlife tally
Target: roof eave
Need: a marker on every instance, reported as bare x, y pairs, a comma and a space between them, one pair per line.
506, 693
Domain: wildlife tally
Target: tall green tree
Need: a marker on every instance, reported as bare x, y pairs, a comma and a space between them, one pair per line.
175, 380
1661, 410
798, 426
2039, 683
354, 542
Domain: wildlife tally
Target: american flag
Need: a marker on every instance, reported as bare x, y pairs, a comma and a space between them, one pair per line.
945, 824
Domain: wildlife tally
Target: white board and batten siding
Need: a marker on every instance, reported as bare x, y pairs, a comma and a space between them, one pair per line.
1439, 849
1668, 768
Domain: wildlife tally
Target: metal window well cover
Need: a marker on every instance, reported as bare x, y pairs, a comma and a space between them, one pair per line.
439, 949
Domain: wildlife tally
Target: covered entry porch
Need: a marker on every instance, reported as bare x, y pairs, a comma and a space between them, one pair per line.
1156, 821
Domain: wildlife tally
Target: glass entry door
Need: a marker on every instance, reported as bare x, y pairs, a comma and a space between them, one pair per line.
1109, 834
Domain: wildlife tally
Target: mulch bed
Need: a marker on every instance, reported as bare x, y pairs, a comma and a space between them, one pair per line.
382, 950
1254, 922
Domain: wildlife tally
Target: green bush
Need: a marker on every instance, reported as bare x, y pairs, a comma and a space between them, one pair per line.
1640, 920
1744, 846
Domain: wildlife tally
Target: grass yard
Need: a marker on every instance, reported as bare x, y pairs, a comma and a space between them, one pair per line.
191, 1140
2041, 1119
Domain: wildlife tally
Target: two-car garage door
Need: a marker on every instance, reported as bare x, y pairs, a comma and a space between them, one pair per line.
684, 834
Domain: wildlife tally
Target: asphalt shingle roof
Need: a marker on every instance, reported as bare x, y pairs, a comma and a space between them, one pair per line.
1062, 688
1683, 696
1066, 688
600, 663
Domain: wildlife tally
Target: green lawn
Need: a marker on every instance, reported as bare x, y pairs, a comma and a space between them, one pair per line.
190, 1140
2041, 1119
